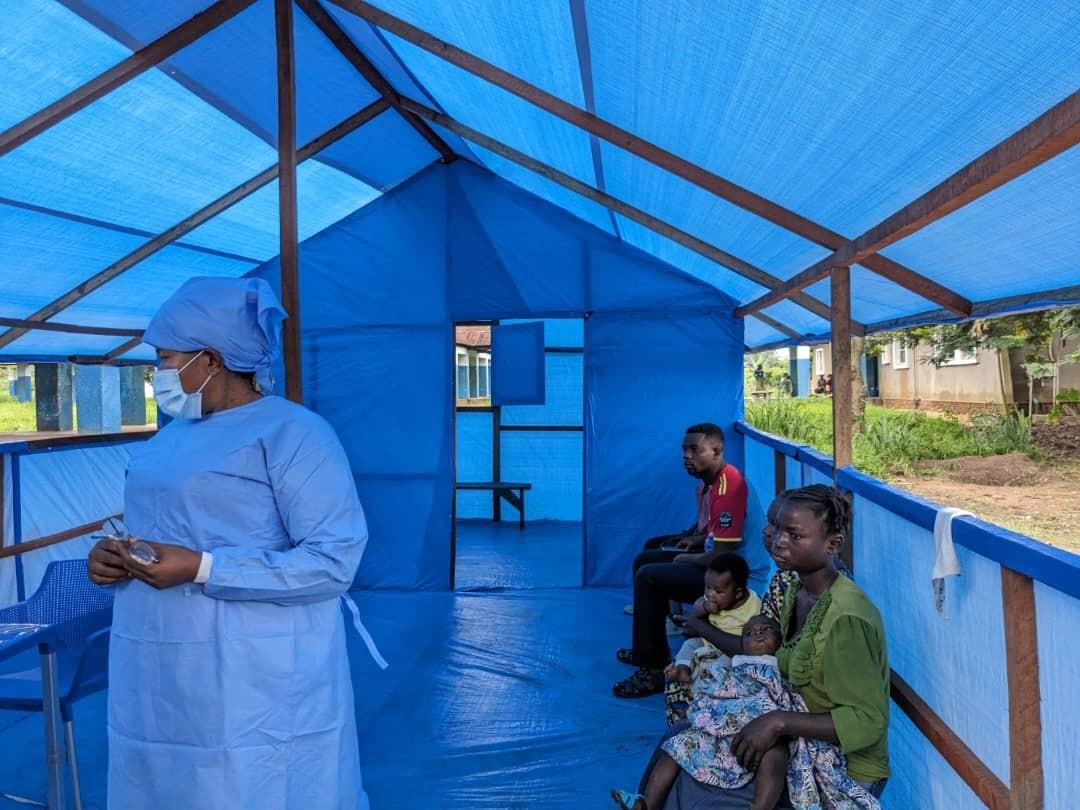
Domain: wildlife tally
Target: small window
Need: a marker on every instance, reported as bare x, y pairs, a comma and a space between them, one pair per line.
484, 375
474, 377
962, 357
819, 361
886, 354
462, 374
900, 352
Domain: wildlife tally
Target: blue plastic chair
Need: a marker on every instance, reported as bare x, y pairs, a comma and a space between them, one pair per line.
70, 616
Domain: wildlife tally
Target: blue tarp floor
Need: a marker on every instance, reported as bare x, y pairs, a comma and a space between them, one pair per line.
490, 556
492, 700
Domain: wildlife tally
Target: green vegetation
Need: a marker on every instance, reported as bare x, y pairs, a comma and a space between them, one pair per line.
892, 441
773, 364
16, 417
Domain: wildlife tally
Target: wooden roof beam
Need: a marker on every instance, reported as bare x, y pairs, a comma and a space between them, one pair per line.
1053, 132
188, 224
699, 246
122, 349
341, 40
725, 189
139, 62
779, 327
69, 328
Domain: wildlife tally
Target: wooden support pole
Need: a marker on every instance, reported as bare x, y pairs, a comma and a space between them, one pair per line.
496, 441
699, 246
139, 62
188, 224
680, 167
288, 258
841, 367
1022, 667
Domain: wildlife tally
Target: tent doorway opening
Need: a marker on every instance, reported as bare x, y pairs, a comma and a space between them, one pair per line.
519, 455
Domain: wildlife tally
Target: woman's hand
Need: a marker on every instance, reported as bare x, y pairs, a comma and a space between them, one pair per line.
175, 566
105, 563
694, 626
757, 737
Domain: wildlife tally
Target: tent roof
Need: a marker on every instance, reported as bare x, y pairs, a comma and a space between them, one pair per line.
835, 115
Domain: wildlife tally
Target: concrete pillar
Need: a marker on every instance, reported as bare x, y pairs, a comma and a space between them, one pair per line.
97, 398
21, 387
54, 396
132, 395
793, 371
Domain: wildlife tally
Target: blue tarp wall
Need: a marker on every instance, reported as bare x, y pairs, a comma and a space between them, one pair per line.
456, 243
49, 491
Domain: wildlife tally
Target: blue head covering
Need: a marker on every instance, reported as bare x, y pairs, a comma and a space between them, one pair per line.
239, 317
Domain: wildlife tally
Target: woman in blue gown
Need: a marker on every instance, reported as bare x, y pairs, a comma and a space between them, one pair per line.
229, 683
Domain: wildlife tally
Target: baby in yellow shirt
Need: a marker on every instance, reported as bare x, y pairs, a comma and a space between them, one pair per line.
729, 604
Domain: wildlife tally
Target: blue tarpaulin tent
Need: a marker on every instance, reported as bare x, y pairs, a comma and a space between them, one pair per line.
663, 185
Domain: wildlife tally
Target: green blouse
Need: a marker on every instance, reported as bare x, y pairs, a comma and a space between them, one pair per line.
839, 665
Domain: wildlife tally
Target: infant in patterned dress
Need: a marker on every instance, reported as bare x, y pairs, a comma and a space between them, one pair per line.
727, 696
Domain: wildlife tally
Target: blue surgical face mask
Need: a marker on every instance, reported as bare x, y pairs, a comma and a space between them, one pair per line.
171, 397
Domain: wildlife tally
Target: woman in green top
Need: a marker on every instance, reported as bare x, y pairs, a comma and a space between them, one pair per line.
833, 653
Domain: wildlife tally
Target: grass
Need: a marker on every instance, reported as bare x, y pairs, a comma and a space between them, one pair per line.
16, 417
892, 441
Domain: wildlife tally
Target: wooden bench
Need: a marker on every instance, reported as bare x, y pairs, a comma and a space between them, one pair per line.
504, 490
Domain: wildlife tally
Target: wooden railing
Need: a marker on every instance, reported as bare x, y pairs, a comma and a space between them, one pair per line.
53, 539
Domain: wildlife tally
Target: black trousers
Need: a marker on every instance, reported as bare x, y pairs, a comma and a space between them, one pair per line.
664, 539
657, 581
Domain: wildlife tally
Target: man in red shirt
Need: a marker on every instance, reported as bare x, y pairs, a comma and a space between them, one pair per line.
677, 572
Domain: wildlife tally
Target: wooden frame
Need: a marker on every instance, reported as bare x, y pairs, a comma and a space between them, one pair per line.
1048, 135
52, 539
699, 246
1022, 668
139, 62
779, 327
188, 224
28, 325
325, 23
288, 257
725, 189
841, 367
990, 790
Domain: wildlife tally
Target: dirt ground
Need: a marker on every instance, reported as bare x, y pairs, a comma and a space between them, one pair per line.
1040, 499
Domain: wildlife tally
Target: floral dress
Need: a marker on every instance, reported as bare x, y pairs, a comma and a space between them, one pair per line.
729, 697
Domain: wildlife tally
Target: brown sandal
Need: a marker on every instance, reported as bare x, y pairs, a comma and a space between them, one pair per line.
641, 684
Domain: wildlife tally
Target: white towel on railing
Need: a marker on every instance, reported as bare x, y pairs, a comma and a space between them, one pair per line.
945, 562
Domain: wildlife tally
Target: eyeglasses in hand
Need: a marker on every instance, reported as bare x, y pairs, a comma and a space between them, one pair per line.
114, 529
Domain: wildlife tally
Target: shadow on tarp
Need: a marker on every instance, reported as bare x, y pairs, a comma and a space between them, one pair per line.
492, 700
494, 556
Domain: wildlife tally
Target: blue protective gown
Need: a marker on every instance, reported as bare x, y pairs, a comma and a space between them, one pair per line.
237, 693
